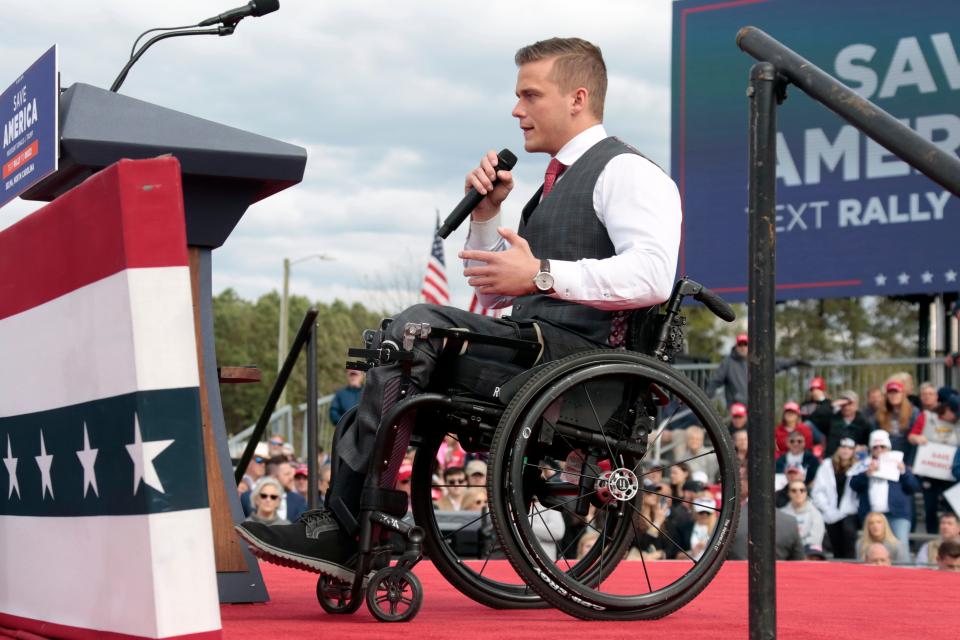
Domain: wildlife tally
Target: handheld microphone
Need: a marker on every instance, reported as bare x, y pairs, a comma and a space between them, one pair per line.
255, 8
505, 162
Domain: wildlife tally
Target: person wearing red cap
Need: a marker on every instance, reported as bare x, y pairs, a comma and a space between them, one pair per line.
818, 401
897, 417
738, 418
844, 420
790, 422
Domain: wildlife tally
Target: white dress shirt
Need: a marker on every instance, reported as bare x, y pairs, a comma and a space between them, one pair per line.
640, 207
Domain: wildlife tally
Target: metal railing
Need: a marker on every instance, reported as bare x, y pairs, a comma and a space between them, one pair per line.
291, 423
858, 375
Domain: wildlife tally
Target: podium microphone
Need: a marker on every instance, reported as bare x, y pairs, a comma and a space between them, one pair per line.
255, 8
226, 24
505, 162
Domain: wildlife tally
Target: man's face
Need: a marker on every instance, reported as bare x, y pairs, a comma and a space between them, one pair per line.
738, 421
456, 484
949, 528
285, 476
694, 439
878, 555
477, 479
743, 348
948, 564
796, 444
354, 378
301, 484
324, 483
928, 397
276, 446
544, 111
848, 409
740, 440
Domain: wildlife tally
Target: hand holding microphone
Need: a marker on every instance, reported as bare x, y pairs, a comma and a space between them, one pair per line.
486, 188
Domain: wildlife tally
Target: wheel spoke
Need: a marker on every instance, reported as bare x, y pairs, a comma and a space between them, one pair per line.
579, 475
556, 545
596, 416
448, 536
663, 495
663, 533
663, 427
643, 562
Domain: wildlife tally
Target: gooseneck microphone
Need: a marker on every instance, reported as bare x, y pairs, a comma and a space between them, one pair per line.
223, 25
255, 8
505, 162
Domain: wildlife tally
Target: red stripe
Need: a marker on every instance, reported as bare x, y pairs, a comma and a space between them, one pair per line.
127, 215
438, 271
796, 285
17, 627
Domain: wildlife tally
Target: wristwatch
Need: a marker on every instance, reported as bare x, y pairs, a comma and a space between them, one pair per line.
543, 281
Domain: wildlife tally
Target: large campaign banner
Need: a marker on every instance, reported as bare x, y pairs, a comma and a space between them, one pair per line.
852, 219
105, 525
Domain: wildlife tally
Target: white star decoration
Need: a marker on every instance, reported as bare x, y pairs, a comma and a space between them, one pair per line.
142, 454
88, 457
927, 277
44, 461
11, 464
881, 280
950, 275
903, 278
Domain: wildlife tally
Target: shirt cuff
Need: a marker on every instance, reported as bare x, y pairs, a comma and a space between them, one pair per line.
566, 279
483, 235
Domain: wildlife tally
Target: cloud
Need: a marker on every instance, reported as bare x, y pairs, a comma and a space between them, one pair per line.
394, 103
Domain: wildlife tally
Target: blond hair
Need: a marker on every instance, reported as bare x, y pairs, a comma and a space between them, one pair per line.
577, 63
866, 540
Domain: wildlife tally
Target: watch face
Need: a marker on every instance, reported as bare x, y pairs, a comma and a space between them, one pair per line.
544, 281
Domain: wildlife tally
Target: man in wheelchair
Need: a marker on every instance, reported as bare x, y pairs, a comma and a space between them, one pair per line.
598, 240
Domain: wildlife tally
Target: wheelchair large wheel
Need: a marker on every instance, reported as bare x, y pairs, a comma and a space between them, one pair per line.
470, 576
601, 413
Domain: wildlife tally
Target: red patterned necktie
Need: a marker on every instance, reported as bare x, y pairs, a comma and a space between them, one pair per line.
554, 169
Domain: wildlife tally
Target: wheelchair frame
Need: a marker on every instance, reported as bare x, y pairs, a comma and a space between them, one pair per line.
393, 593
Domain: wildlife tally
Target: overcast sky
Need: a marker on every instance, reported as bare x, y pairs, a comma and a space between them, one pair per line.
394, 102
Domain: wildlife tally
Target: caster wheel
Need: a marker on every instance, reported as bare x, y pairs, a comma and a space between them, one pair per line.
335, 596
392, 597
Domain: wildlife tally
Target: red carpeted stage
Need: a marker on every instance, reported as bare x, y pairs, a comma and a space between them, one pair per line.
815, 600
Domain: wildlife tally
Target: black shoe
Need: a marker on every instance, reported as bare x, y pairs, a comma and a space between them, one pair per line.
314, 543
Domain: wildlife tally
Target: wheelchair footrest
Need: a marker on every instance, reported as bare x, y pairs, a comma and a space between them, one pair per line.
389, 501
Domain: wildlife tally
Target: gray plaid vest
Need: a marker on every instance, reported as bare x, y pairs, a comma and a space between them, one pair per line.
565, 227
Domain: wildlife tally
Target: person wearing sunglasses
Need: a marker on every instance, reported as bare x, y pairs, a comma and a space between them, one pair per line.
266, 495
812, 528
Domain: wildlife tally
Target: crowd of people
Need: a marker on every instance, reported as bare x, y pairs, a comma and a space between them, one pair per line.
846, 484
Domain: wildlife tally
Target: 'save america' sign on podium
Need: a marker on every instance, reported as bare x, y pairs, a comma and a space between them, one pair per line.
28, 114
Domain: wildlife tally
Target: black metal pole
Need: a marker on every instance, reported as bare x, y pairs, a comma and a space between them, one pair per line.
762, 200
309, 320
938, 165
312, 417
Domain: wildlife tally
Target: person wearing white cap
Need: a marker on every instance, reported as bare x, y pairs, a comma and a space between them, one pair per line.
881, 495
705, 519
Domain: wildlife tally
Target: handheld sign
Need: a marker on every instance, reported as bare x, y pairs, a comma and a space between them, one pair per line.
29, 117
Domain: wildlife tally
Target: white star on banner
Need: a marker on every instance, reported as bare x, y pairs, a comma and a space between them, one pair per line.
88, 457
44, 461
11, 464
142, 454
881, 280
951, 276
927, 277
903, 278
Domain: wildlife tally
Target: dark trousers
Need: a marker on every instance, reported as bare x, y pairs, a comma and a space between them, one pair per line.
355, 446
843, 537
932, 490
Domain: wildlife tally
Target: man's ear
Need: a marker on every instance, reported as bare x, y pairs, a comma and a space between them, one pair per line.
579, 102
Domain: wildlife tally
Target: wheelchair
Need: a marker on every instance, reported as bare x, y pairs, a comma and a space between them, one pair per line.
569, 441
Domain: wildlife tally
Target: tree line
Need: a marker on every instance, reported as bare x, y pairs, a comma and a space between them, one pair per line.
247, 333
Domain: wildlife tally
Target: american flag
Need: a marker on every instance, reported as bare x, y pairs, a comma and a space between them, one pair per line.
484, 311
434, 288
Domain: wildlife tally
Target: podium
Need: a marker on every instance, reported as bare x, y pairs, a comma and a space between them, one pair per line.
224, 171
